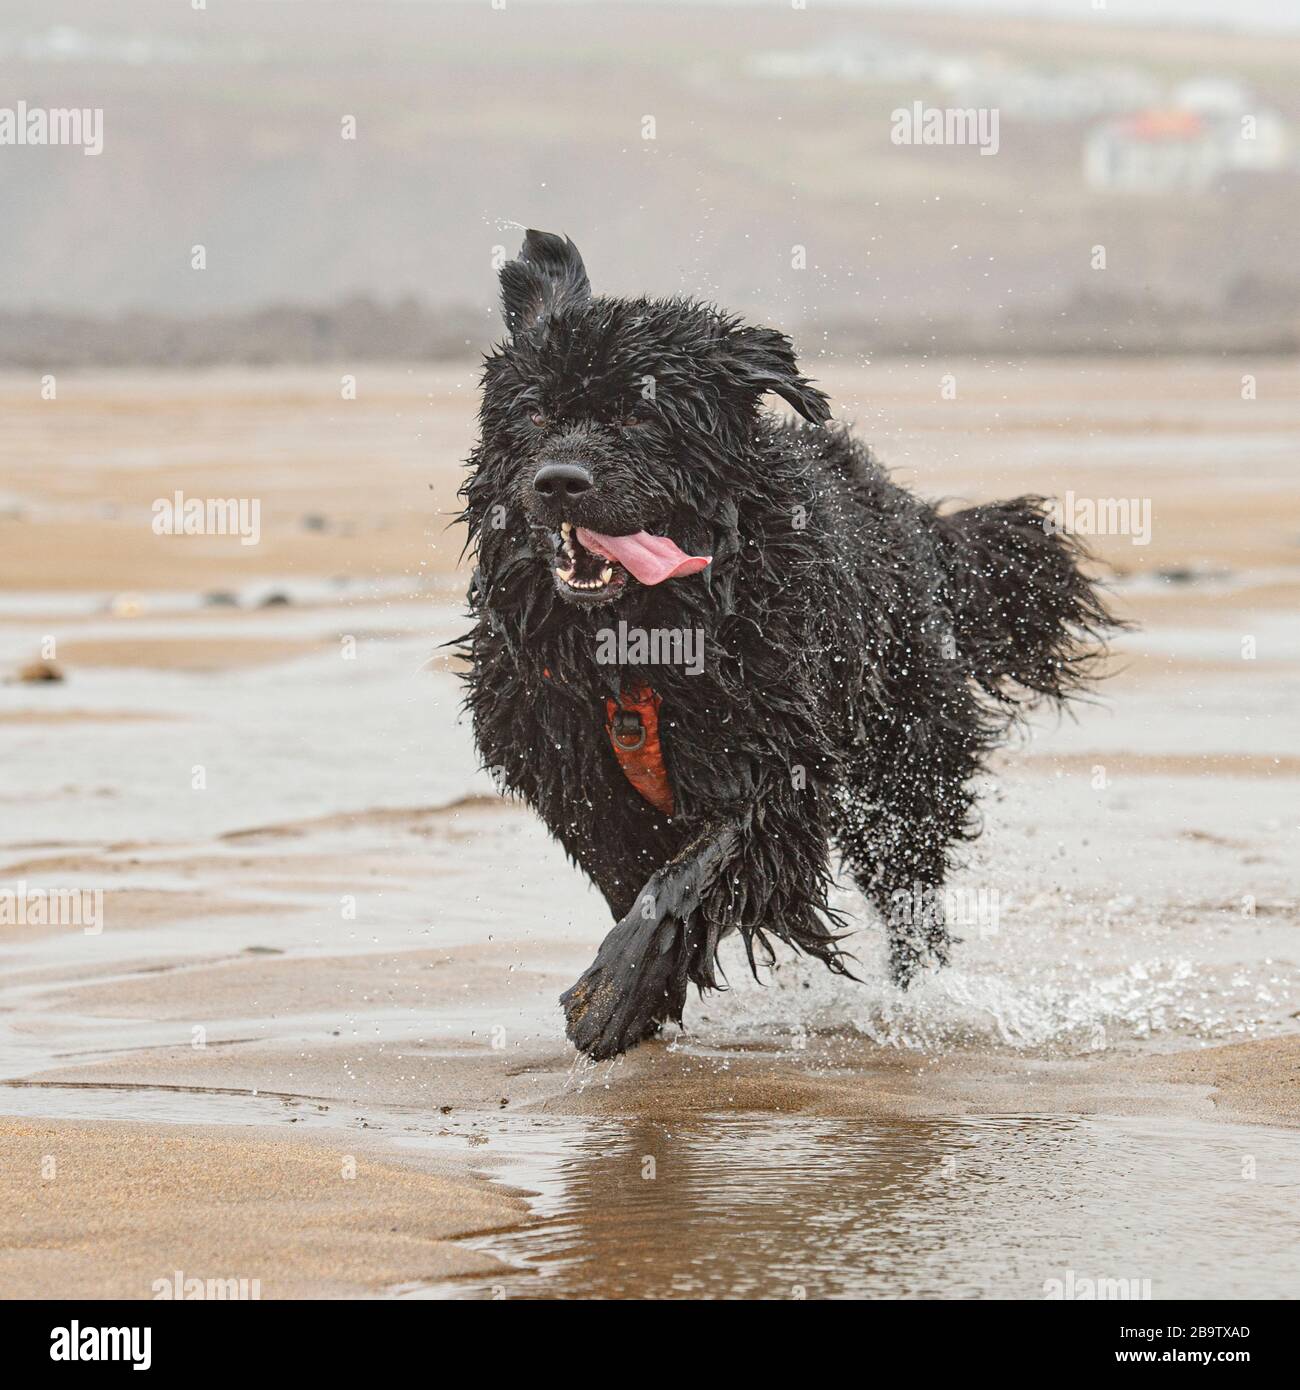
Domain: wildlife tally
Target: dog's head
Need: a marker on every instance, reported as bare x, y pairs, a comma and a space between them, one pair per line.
617, 426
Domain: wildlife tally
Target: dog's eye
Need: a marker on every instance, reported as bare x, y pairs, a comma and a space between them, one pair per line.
628, 422
538, 418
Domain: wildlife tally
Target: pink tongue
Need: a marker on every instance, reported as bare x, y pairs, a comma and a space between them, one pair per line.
651, 558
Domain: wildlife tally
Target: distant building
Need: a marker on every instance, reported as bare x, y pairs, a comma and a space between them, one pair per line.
1211, 96
1047, 95
1147, 142
1032, 94
1253, 138
867, 60
1185, 148
1152, 152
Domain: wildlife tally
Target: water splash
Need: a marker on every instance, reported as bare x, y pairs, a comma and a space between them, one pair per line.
1000, 997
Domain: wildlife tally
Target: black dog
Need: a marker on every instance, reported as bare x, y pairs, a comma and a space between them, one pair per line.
710, 642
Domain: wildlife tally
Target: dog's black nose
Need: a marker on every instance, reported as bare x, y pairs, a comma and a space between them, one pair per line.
561, 480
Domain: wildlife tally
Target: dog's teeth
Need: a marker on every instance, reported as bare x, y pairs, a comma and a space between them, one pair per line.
568, 575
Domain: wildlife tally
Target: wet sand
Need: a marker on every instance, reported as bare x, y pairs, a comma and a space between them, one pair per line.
322, 935
108, 1210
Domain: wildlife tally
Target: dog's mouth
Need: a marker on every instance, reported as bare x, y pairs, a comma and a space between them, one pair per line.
582, 574
595, 568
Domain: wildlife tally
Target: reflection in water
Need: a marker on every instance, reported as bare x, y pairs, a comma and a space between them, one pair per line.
790, 1207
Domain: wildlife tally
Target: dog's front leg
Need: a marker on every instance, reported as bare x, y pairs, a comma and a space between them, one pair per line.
639, 977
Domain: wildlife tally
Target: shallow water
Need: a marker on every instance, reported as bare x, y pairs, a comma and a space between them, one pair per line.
797, 1207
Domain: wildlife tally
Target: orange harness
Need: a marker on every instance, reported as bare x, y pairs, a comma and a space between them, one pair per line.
633, 727
632, 723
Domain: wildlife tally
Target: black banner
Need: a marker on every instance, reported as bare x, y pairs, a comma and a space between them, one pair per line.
342, 1338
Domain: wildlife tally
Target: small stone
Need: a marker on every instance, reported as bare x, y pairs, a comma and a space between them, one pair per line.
37, 671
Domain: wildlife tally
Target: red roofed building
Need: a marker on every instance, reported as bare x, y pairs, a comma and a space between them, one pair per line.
1154, 152
1213, 126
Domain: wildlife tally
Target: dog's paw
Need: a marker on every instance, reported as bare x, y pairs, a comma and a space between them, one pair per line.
636, 983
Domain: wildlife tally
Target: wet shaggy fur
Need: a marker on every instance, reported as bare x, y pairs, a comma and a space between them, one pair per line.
863, 652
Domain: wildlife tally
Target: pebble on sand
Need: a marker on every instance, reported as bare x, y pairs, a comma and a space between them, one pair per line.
36, 671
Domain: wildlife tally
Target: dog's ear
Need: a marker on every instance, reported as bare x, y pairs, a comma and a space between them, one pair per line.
548, 274
762, 360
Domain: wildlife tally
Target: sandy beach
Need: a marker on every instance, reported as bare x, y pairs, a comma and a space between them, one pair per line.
312, 1037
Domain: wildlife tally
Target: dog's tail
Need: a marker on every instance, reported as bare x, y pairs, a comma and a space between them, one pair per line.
1027, 619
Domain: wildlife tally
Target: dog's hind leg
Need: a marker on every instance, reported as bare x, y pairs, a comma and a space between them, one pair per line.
900, 809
